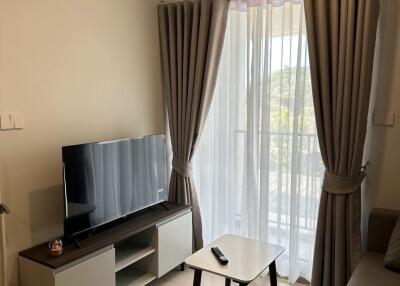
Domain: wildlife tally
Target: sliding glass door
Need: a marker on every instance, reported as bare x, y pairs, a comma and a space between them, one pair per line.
258, 168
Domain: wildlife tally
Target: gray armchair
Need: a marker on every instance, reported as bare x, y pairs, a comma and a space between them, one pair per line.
371, 269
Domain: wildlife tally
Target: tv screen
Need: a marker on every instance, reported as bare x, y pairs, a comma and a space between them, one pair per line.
105, 181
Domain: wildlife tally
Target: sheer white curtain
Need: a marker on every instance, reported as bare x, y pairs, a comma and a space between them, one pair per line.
258, 168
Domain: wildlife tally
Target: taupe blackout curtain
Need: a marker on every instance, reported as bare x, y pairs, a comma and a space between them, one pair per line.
341, 38
191, 37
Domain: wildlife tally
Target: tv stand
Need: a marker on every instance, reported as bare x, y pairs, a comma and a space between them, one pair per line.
77, 244
134, 253
163, 205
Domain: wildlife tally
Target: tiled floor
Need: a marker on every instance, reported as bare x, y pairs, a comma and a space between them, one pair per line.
185, 278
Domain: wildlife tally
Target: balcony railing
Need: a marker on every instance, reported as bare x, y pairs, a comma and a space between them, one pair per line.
306, 177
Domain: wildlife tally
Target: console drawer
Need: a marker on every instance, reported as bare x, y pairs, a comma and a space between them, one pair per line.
174, 242
96, 269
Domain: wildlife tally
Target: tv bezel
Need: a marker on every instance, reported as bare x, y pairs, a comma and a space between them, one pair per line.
110, 222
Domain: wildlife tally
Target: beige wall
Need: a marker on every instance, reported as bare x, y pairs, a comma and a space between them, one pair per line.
384, 172
80, 71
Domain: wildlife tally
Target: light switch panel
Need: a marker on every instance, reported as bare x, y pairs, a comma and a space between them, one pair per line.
383, 118
11, 120
389, 119
6, 121
19, 120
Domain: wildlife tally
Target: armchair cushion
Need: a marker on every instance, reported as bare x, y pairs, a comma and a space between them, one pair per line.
380, 228
371, 272
392, 257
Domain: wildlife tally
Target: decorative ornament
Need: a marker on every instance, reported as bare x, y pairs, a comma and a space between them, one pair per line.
56, 247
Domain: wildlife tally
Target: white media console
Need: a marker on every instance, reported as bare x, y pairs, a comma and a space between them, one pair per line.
134, 253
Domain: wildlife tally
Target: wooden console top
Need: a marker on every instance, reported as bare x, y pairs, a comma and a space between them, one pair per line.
142, 220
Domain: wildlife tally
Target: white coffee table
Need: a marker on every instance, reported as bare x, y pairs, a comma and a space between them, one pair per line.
248, 258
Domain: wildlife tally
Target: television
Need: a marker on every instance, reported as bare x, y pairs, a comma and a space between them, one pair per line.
107, 181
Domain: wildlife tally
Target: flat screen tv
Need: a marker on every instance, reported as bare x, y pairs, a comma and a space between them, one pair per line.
106, 181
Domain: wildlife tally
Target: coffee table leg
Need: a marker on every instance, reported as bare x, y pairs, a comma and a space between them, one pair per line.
227, 282
272, 274
197, 277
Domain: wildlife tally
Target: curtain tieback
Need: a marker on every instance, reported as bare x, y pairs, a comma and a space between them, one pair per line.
183, 168
342, 185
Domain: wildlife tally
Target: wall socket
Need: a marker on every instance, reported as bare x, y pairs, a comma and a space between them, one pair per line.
11, 120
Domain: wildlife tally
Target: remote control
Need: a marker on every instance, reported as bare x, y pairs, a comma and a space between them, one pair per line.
219, 255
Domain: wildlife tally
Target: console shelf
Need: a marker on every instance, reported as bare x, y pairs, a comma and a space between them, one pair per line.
128, 253
140, 221
142, 248
133, 277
